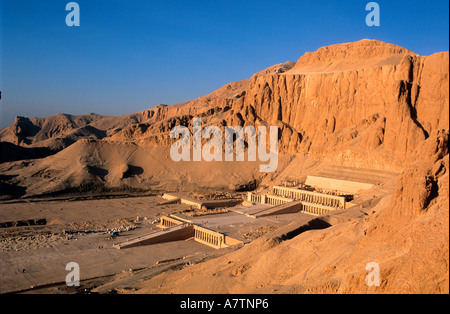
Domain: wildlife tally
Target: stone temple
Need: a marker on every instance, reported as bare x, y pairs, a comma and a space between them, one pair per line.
317, 197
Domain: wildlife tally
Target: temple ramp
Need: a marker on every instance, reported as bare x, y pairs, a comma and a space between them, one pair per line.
249, 210
178, 229
178, 198
344, 186
174, 233
288, 208
369, 176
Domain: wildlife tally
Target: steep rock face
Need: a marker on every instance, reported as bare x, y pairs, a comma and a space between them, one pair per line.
220, 98
420, 183
403, 94
410, 238
365, 104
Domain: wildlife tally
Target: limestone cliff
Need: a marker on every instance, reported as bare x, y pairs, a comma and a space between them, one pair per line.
372, 111
367, 104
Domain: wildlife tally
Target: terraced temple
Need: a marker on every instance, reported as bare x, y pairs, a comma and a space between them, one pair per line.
289, 199
176, 229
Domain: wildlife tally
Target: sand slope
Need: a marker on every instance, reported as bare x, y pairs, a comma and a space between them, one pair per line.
97, 166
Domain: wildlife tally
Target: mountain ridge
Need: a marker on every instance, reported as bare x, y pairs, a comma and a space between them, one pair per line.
373, 117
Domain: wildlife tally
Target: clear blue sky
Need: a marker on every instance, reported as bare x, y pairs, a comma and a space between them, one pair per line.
128, 56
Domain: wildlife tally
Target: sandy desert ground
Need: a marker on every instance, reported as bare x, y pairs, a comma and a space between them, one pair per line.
34, 252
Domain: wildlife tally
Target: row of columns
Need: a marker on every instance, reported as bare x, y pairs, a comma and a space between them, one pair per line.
267, 199
214, 239
310, 197
166, 223
275, 201
254, 198
309, 208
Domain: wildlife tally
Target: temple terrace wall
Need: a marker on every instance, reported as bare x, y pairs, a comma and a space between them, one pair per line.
310, 197
209, 237
176, 230
313, 203
345, 186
